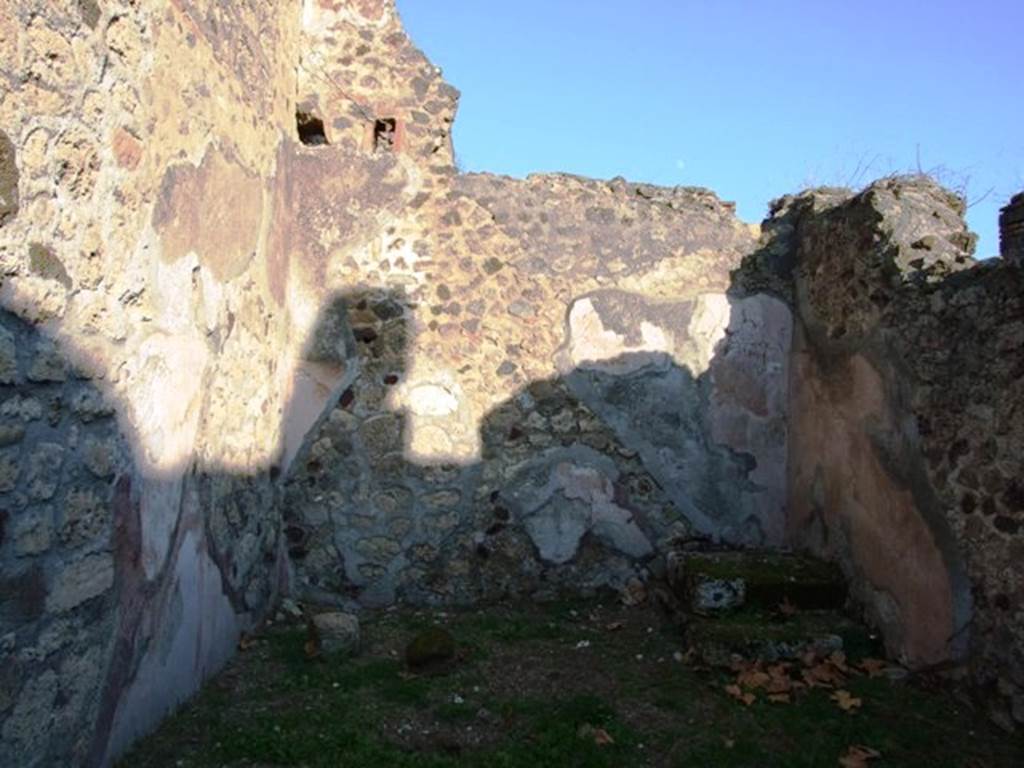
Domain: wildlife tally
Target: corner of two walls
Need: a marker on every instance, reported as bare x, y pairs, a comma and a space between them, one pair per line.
524, 346
144, 357
905, 438
189, 296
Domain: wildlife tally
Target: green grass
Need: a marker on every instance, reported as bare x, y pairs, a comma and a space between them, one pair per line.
523, 696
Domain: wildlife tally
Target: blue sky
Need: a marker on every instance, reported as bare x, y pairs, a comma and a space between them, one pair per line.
752, 99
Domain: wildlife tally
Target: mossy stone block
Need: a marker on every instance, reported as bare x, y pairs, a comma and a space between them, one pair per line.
431, 649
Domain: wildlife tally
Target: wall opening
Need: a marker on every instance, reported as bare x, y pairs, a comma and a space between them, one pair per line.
311, 129
385, 134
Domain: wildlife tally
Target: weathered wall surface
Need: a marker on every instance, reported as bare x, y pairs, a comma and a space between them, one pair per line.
60, 452
465, 313
1011, 231
905, 451
144, 360
257, 328
361, 76
553, 383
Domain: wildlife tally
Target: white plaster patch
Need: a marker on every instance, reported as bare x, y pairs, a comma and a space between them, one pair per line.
440, 422
314, 387
556, 528
432, 400
710, 319
192, 640
172, 295
590, 342
163, 389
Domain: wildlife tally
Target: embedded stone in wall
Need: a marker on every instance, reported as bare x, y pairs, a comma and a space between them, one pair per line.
439, 422
43, 471
8, 180
48, 364
45, 263
10, 468
90, 11
84, 518
80, 581
26, 731
32, 532
8, 357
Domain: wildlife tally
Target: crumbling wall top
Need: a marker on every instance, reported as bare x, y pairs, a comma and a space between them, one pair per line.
1011, 230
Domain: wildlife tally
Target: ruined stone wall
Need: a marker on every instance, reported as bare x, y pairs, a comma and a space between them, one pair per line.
541, 406
145, 370
906, 430
554, 382
258, 333
1011, 231
370, 87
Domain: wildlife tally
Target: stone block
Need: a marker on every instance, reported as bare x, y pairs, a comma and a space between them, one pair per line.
431, 649
32, 532
718, 581
8, 357
80, 581
11, 434
43, 473
8, 180
99, 457
338, 632
85, 518
10, 469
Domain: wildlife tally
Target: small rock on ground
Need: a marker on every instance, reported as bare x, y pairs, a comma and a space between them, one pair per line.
338, 632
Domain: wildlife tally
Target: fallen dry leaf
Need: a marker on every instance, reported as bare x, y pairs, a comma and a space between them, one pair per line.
823, 675
780, 681
846, 700
245, 642
857, 756
753, 678
312, 649
602, 738
740, 695
838, 660
873, 667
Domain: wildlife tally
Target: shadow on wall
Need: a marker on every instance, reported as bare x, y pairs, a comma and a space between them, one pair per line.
582, 480
121, 589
